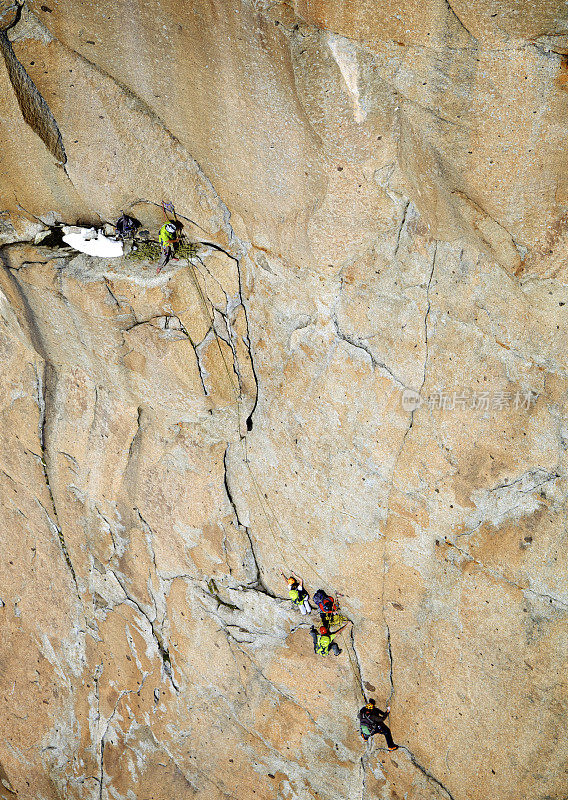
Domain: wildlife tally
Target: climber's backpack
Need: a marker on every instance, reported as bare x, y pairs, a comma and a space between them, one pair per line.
297, 596
323, 645
324, 602
369, 724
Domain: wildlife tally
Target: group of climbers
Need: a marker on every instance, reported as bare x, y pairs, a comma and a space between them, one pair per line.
323, 637
371, 719
169, 236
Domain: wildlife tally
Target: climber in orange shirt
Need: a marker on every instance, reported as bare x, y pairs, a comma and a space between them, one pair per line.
297, 593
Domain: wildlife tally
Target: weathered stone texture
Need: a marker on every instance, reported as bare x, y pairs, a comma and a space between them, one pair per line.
362, 378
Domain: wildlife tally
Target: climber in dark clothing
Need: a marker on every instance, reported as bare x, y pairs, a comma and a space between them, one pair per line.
371, 721
126, 226
327, 607
324, 602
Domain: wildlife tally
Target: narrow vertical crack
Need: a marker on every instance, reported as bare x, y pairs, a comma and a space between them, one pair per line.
102, 768
401, 227
389, 649
232, 341
228, 489
137, 434
197, 351
426, 316
459, 21
401, 448
160, 644
426, 347
258, 582
96, 679
41, 382
358, 670
364, 762
35, 111
248, 344
426, 772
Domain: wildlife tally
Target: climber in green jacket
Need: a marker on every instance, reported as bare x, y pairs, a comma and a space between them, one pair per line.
323, 640
168, 238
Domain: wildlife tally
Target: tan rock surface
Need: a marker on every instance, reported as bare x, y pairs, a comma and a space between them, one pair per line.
362, 378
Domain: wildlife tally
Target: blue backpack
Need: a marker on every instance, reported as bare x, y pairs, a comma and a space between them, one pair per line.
324, 602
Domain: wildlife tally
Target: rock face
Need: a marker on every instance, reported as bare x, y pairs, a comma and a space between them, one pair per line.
361, 377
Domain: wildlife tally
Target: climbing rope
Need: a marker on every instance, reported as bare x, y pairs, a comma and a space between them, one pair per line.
266, 506
264, 502
161, 205
209, 315
355, 670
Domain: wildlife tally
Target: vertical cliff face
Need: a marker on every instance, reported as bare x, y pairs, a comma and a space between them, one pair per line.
361, 377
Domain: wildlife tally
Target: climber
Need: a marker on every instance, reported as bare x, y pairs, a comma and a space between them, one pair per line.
326, 605
126, 226
323, 640
371, 721
298, 595
168, 239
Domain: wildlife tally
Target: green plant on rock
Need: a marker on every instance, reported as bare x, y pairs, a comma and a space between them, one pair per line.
151, 251
186, 249
145, 251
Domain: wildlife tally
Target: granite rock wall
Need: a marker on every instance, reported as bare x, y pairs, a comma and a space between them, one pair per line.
362, 377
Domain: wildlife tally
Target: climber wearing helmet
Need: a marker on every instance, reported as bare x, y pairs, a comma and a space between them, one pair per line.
168, 238
298, 595
323, 640
371, 721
